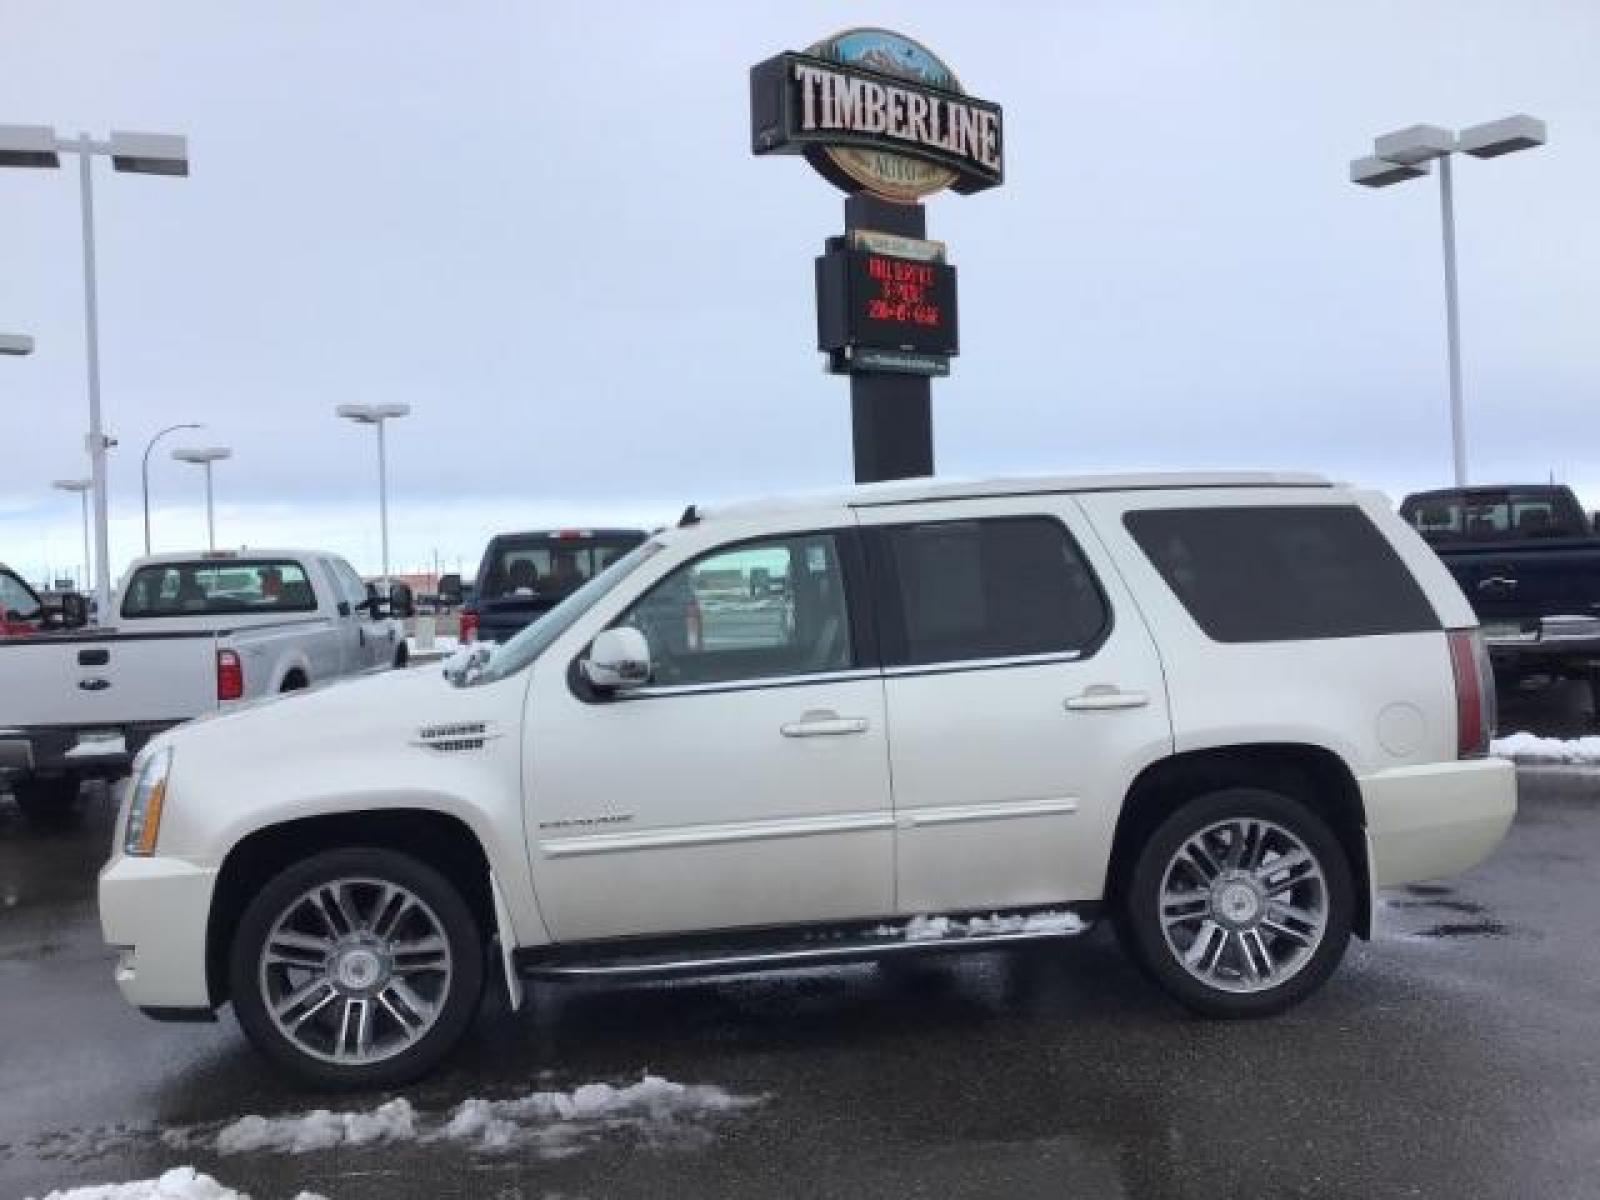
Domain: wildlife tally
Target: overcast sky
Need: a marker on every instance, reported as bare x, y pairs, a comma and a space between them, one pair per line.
541, 226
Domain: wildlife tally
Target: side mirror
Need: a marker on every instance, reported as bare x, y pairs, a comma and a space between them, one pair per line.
74, 611
618, 660
1596, 522
450, 589
402, 602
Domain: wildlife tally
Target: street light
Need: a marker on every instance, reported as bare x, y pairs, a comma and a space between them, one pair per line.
377, 414
1409, 154
205, 456
144, 474
15, 343
82, 487
142, 153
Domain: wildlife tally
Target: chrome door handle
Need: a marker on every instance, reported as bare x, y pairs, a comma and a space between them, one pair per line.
1505, 582
1104, 696
823, 724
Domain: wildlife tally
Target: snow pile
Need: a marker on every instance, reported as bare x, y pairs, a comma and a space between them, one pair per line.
1530, 748
554, 1123
395, 1121
180, 1183
933, 929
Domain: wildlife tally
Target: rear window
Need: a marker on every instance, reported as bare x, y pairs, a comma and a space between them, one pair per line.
1005, 587
545, 565
235, 587
1290, 573
1480, 515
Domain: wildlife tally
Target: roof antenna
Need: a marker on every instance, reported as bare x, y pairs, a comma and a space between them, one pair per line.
691, 516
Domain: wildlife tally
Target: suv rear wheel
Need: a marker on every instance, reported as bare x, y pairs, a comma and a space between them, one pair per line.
1239, 904
359, 967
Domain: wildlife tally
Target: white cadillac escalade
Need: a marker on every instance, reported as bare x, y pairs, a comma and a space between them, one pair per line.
1219, 710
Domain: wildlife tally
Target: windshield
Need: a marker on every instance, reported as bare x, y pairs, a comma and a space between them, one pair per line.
16, 597
536, 638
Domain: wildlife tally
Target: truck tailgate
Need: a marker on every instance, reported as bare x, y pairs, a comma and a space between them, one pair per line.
106, 679
1516, 583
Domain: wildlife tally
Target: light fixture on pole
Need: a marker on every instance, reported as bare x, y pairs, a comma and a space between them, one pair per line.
82, 487
205, 456
144, 474
1409, 154
377, 414
142, 153
15, 343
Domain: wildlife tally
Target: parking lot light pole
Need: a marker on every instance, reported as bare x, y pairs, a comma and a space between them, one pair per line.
1409, 154
205, 456
377, 414
36, 146
144, 474
82, 487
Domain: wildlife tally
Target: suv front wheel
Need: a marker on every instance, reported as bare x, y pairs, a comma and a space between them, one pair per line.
358, 967
1239, 904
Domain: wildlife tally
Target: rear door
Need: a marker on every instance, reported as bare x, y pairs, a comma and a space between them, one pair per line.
1023, 694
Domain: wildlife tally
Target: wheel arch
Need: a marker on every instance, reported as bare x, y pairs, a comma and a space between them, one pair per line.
1312, 774
442, 840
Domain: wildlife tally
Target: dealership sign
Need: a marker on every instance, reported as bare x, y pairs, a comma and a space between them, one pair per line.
875, 111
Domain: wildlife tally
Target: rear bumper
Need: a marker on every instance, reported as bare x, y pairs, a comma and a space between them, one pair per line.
1437, 820
100, 751
1546, 648
154, 911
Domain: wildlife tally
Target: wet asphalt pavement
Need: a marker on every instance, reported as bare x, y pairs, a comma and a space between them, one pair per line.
1457, 1055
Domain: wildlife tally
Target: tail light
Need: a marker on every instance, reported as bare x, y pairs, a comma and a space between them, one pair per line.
468, 632
1475, 704
230, 675
692, 624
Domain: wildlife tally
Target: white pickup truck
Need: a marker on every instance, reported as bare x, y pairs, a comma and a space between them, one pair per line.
192, 634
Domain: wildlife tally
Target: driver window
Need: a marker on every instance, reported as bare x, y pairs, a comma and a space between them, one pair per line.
760, 610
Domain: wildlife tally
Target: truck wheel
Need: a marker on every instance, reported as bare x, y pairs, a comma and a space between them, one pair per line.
1239, 904
401, 657
357, 968
52, 803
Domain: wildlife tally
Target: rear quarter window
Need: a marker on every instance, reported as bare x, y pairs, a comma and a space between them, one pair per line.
1282, 573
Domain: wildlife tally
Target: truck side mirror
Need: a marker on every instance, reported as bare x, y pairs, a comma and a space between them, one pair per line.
618, 660
74, 611
450, 589
1595, 522
402, 603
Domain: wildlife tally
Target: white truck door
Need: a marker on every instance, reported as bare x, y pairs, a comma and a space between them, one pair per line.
1024, 694
348, 593
747, 785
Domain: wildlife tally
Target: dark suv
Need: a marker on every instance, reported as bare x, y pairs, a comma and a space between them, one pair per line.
525, 575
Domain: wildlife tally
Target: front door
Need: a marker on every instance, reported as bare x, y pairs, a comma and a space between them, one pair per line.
1023, 691
747, 785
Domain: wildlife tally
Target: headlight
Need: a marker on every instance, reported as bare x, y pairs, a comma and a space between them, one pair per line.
144, 808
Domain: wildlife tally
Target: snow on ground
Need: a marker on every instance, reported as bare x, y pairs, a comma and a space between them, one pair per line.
180, 1183
931, 929
551, 1123
1530, 748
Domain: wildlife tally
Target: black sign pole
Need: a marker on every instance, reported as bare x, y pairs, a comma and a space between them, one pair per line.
891, 414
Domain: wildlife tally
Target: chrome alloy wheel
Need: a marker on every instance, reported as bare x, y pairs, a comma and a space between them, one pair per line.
355, 971
1244, 905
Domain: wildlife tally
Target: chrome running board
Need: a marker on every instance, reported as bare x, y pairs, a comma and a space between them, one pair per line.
741, 954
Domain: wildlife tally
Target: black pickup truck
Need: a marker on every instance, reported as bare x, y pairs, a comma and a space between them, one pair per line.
1528, 559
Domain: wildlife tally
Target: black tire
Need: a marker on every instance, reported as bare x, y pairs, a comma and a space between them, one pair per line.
455, 1008
1140, 917
294, 682
51, 802
402, 657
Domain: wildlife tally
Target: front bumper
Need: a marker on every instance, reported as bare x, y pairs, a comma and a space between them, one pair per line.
1437, 820
155, 911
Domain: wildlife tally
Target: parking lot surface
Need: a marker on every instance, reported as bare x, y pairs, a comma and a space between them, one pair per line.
1455, 1055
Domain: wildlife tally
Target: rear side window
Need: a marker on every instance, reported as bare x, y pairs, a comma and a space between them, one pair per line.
1274, 574
1005, 587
